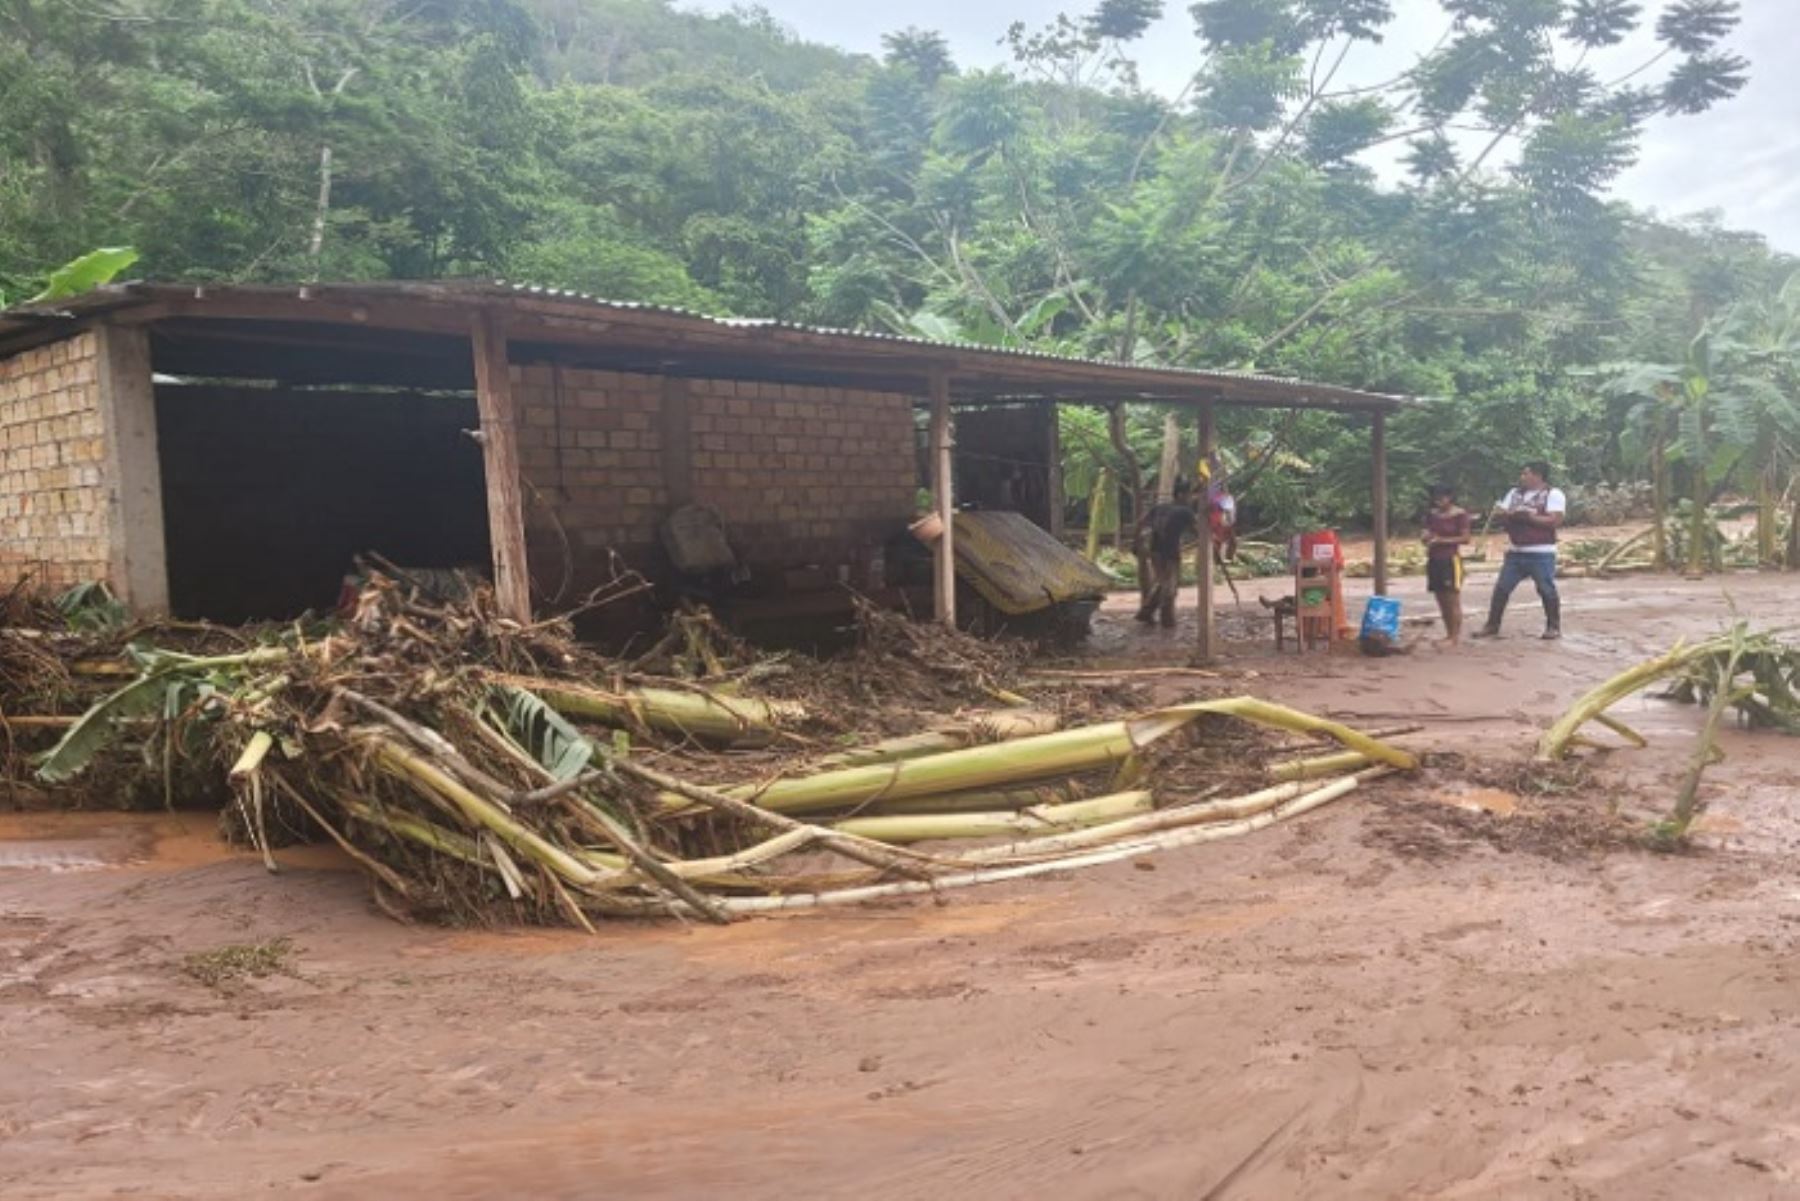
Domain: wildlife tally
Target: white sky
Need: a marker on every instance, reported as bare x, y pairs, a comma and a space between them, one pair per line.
1741, 157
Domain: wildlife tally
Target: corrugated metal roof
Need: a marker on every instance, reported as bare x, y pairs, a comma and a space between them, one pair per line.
1153, 377
1222, 374
1020, 567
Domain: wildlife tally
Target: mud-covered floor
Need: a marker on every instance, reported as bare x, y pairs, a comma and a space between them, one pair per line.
1466, 986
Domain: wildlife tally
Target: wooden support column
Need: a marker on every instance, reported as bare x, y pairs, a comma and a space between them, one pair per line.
137, 562
1054, 470
943, 487
1208, 649
1379, 500
500, 455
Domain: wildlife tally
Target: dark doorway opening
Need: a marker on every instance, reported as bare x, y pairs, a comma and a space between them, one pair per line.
269, 493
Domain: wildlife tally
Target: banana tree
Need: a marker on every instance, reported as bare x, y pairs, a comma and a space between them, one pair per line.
1763, 414
1648, 394
1706, 412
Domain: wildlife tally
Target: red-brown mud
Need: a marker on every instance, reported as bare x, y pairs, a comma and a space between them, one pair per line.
1460, 987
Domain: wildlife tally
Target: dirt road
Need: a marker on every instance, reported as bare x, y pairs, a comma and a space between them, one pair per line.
1407, 995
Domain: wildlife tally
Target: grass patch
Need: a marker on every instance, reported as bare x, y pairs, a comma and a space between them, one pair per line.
226, 967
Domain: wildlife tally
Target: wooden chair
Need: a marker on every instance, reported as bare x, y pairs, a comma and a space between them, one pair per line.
1317, 591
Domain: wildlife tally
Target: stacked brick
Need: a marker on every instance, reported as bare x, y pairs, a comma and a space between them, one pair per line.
802, 475
590, 446
53, 492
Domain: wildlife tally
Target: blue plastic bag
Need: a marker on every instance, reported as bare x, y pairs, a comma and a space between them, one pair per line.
1381, 619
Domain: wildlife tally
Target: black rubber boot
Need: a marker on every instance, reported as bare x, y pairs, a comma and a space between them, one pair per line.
1496, 610
1553, 619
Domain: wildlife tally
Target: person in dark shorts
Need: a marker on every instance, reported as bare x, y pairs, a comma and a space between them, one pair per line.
1167, 525
1447, 531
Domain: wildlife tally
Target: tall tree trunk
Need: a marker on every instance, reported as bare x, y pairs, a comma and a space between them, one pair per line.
1134, 481
1696, 564
1103, 483
1766, 520
327, 98
1793, 538
1659, 503
1170, 469
1115, 426
315, 249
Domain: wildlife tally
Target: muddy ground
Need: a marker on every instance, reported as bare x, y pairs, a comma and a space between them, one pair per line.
1468, 986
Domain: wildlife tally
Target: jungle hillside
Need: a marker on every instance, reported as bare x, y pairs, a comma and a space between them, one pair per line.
637, 150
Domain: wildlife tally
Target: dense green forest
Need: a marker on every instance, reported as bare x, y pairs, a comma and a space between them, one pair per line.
635, 150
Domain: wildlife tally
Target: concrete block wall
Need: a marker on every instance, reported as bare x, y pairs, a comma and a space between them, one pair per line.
802, 475
53, 462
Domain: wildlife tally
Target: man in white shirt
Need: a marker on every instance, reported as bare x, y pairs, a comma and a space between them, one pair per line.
1532, 512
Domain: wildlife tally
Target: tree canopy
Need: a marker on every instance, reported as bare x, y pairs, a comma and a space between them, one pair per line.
634, 149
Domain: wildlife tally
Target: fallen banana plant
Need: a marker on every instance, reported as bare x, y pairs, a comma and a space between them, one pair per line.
1769, 668
1064, 753
1150, 844
1754, 674
476, 770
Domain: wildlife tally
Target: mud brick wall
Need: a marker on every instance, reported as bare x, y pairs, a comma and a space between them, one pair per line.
53, 493
801, 475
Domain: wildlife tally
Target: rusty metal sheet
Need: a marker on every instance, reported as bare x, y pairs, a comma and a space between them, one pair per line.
1018, 567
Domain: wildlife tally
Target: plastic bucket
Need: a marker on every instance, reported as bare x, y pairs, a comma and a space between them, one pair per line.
1382, 618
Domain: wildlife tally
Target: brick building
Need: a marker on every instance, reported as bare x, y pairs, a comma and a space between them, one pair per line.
223, 452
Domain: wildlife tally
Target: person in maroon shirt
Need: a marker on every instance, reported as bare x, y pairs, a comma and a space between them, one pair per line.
1447, 531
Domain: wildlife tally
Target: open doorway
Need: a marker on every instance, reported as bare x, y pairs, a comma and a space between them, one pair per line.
269, 493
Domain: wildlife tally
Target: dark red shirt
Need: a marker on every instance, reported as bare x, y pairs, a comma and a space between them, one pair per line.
1454, 524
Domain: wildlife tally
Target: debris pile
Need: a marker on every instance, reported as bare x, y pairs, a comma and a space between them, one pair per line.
479, 769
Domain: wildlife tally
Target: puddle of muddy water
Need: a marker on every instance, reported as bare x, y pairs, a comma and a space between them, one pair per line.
82, 842
1494, 801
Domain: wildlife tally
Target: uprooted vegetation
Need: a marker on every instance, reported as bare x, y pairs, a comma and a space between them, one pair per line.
1754, 675
477, 769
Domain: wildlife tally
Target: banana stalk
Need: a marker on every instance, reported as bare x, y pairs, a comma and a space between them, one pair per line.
1229, 809
709, 716
407, 765
1166, 840
1047, 756
1000, 726
1050, 819
1557, 742
1062, 792
1319, 767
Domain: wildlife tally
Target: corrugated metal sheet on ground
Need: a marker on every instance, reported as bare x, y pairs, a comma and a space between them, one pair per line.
1018, 567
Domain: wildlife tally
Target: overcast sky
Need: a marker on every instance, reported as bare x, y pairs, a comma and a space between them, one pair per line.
1742, 157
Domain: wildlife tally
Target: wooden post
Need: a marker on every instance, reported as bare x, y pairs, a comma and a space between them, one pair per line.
500, 455
1378, 448
943, 486
1054, 470
137, 560
1209, 635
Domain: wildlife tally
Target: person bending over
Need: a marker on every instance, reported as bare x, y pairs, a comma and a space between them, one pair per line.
1168, 524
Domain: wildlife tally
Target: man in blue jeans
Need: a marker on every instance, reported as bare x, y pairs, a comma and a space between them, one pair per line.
1531, 512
